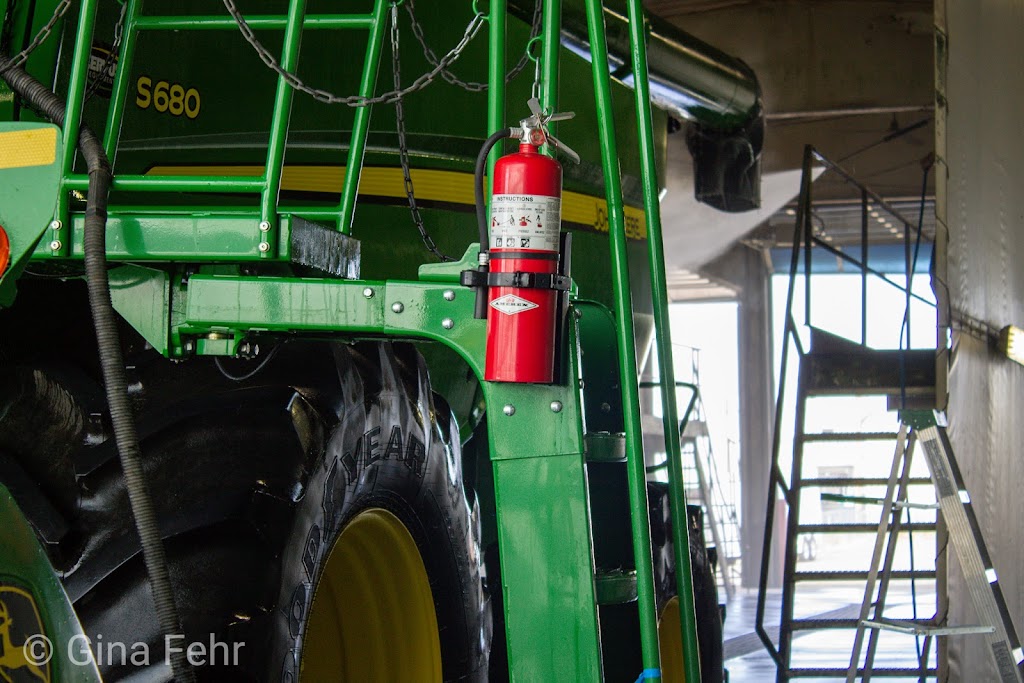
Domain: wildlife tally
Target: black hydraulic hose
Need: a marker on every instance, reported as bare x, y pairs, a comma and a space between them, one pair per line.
108, 341
480, 310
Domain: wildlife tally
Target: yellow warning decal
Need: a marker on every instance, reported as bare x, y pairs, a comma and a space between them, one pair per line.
25, 650
24, 148
454, 187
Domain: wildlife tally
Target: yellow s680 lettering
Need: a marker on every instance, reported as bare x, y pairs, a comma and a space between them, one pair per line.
167, 98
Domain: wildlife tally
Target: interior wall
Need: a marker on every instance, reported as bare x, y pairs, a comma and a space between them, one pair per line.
980, 165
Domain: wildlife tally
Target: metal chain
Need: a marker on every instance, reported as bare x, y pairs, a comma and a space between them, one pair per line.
403, 149
43, 34
8, 26
473, 86
118, 35
353, 100
535, 88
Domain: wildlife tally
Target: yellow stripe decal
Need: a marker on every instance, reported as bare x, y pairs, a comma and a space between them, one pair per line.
454, 187
24, 148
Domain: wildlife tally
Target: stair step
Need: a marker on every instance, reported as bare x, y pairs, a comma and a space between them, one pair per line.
838, 366
605, 446
841, 673
860, 528
874, 373
860, 481
816, 624
868, 500
615, 587
926, 628
861, 575
850, 436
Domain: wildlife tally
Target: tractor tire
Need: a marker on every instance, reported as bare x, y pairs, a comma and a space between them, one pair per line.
705, 591
314, 518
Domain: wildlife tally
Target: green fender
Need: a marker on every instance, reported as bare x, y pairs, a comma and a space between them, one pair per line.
29, 187
39, 632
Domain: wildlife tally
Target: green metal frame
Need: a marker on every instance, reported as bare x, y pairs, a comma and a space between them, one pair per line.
536, 431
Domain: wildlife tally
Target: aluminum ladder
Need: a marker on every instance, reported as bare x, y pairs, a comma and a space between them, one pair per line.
964, 533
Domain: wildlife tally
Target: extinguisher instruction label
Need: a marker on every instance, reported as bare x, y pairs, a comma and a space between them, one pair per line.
510, 304
525, 221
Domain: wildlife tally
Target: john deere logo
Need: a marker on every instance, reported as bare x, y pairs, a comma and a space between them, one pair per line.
510, 304
24, 649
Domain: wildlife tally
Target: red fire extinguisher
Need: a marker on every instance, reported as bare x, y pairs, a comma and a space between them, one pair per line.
524, 281
524, 230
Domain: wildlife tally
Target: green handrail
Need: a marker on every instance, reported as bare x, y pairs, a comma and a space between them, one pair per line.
550, 29
259, 22
73, 113
267, 184
279, 130
663, 336
119, 90
683, 422
495, 81
361, 125
637, 477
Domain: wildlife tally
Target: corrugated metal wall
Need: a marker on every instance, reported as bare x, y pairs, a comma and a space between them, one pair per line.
980, 173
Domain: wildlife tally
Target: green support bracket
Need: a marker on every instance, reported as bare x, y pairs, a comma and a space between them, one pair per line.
173, 234
143, 297
922, 419
535, 438
544, 532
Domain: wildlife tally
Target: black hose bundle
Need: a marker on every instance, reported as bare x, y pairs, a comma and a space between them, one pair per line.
115, 381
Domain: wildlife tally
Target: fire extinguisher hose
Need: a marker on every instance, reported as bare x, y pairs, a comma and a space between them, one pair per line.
480, 310
478, 183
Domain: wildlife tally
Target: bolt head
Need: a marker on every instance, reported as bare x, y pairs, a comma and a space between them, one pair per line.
55, 245
264, 247
556, 406
447, 323
368, 292
398, 307
509, 410
606, 408
55, 225
449, 295
265, 226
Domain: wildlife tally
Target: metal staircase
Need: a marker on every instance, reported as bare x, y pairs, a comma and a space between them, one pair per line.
704, 485
827, 476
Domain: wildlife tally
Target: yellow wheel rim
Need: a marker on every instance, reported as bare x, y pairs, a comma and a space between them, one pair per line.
670, 640
373, 616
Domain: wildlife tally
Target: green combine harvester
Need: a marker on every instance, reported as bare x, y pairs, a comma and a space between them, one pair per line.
245, 427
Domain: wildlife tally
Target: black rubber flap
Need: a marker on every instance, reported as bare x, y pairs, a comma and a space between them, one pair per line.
325, 249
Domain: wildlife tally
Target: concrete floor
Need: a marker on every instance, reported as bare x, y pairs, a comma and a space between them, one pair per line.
748, 662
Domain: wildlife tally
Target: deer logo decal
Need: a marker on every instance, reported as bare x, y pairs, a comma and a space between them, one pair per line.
19, 621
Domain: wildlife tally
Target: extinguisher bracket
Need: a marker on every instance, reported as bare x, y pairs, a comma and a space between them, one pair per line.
475, 278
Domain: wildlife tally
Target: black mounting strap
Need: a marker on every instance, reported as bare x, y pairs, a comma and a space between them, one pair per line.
474, 278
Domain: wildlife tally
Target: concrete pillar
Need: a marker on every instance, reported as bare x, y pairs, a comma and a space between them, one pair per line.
748, 271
